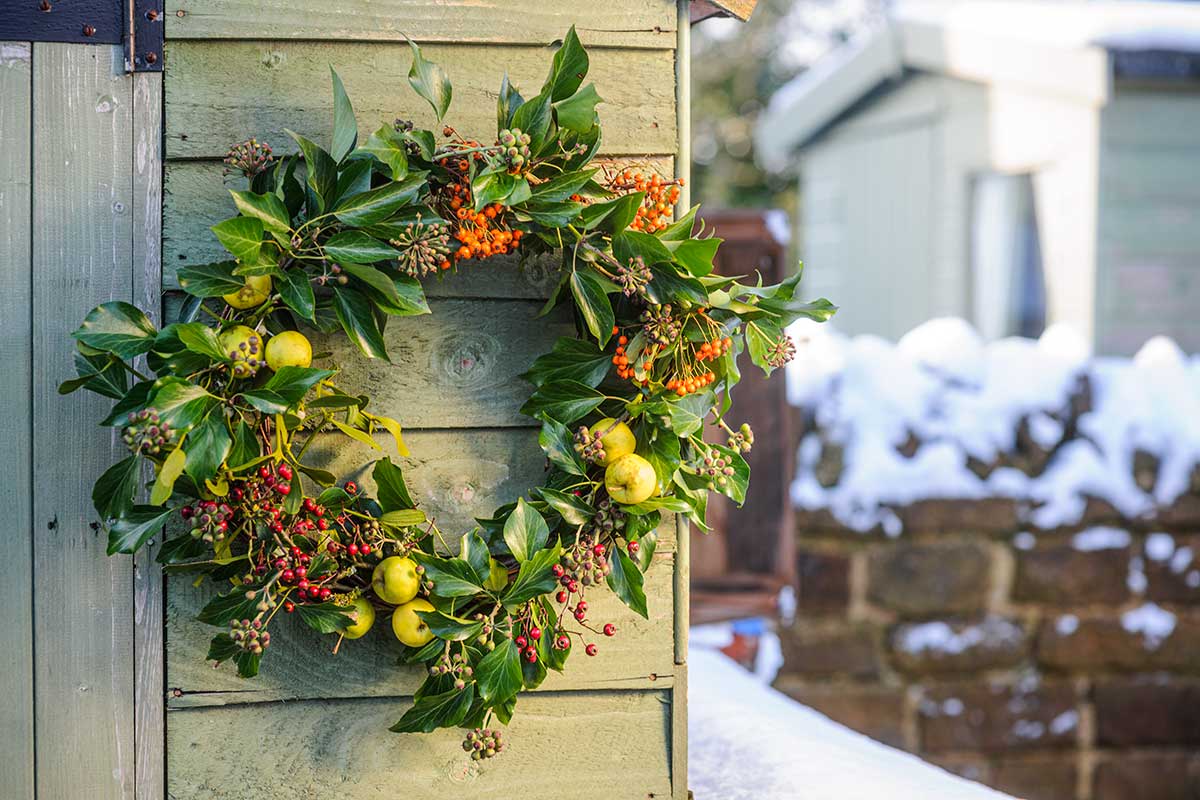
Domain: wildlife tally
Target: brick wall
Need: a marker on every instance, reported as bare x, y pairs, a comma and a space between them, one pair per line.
1054, 665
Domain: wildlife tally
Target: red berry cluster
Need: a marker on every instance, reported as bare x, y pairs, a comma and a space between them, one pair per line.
526, 640
208, 519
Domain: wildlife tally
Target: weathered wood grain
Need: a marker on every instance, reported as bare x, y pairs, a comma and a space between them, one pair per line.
300, 664
219, 93
197, 197
149, 724
456, 368
622, 23
82, 238
342, 749
16, 353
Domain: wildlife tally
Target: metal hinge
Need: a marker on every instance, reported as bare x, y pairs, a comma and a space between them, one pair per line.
136, 24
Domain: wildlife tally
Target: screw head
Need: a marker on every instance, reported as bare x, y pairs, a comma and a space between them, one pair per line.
89, 30
151, 58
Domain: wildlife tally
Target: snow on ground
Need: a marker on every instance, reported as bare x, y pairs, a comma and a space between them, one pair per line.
963, 399
747, 741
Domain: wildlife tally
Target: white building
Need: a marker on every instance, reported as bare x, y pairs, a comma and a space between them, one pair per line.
1014, 163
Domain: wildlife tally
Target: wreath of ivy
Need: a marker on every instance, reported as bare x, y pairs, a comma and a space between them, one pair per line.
224, 403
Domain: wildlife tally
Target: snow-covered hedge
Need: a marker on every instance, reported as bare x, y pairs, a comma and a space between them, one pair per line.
943, 415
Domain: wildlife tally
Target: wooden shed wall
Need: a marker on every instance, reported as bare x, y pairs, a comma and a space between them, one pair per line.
1148, 246
314, 722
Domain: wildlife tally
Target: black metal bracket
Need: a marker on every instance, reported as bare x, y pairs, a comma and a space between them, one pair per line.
136, 24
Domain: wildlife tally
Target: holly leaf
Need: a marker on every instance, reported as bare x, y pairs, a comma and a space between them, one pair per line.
113, 493
625, 580
525, 531
499, 672
433, 711
117, 327
128, 533
430, 81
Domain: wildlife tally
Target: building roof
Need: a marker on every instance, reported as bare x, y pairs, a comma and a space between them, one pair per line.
739, 9
1065, 49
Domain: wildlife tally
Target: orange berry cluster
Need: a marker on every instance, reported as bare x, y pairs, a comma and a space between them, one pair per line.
682, 386
658, 205
480, 234
626, 368
711, 351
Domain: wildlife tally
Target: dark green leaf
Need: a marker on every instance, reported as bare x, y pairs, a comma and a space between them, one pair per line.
128, 533
661, 449
474, 551
592, 301
103, 374
525, 532
563, 186
568, 69
535, 577
245, 447
324, 617
668, 286
200, 339
445, 710
625, 580
321, 169
507, 103
357, 320
696, 255
267, 208
534, 118
405, 297
247, 663
499, 672
238, 604
565, 401
450, 628
181, 404
292, 383
559, 447
571, 360
387, 145
430, 81
684, 416
180, 549
391, 490
451, 577
114, 491
210, 280
356, 247
296, 291
241, 236
578, 112
266, 401
376, 205
571, 508
629, 244
117, 327
206, 447
345, 128
760, 338
222, 648
735, 486
612, 216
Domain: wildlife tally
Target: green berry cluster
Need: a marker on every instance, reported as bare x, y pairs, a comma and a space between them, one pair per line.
660, 324
249, 158
146, 434
634, 277
249, 635
483, 743
516, 148
455, 665
589, 446
742, 439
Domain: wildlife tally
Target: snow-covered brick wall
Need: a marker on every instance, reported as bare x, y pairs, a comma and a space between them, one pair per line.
943, 415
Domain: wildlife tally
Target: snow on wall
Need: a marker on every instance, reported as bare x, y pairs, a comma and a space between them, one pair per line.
936, 415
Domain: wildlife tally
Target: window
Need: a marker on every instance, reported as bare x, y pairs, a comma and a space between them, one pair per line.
1008, 289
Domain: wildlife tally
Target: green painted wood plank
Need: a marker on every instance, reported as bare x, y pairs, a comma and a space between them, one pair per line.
342, 749
456, 368
16, 590
197, 197
149, 732
300, 663
82, 238
624, 23
222, 92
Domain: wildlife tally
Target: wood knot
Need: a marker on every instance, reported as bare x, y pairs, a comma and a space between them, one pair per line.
465, 360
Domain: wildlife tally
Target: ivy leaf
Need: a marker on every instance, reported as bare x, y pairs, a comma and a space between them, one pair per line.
525, 532
625, 580
266, 401
535, 577
661, 449
390, 488
296, 291
499, 673
267, 208
103, 374
565, 401
180, 403
376, 205
737, 483
474, 551
675, 505
345, 128
245, 447
403, 297
684, 416
200, 339
451, 577
241, 236
696, 255
430, 81
559, 447
117, 327
357, 320
321, 169
561, 187
507, 102
578, 112
667, 285
323, 617
568, 69
433, 711
592, 301
210, 280
207, 446
572, 509
760, 338
356, 247
113, 493
534, 118
572, 360
292, 383
612, 216
450, 628
164, 482
247, 663
234, 605
387, 145
129, 532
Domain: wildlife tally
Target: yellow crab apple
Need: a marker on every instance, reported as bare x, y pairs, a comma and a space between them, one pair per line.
289, 349
395, 580
363, 614
630, 479
244, 347
408, 627
617, 442
254, 292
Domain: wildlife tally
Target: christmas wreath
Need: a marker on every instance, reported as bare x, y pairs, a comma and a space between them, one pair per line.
224, 403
